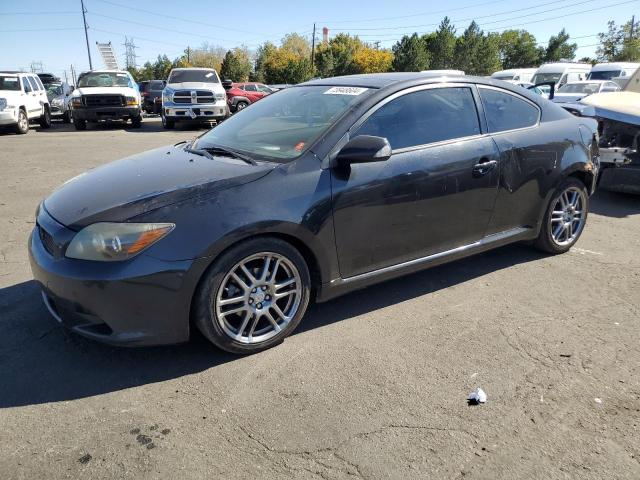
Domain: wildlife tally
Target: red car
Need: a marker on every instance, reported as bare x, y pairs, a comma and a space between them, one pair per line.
241, 95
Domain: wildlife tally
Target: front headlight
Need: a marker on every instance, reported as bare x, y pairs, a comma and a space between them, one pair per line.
57, 102
112, 242
76, 102
221, 96
132, 101
166, 97
3, 103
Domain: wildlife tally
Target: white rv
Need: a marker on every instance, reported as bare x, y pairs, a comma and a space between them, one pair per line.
561, 73
609, 71
515, 75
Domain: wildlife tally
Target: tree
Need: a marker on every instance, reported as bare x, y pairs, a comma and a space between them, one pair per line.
284, 66
441, 46
559, 48
262, 54
337, 57
370, 60
620, 43
518, 49
296, 44
324, 64
410, 55
236, 65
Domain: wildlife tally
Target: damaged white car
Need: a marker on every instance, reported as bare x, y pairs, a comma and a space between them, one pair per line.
618, 115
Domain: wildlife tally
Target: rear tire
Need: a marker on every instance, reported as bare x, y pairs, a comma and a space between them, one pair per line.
45, 118
270, 304
565, 218
241, 106
80, 124
22, 126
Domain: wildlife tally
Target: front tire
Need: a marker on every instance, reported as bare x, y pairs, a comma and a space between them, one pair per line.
167, 124
241, 106
45, 118
565, 217
253, 296
22, 126
80, 124
66, 117
136, 122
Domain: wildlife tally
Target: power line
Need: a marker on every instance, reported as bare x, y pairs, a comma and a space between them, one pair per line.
555, 2
40, 29
38, 13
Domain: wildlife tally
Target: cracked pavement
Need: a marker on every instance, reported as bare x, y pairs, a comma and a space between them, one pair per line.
372, 385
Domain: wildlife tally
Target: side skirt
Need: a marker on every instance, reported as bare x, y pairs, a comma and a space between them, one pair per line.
340, 286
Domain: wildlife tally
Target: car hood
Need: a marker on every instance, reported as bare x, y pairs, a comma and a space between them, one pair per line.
620, 106
123, 189
216, 87
127, 91
569, 97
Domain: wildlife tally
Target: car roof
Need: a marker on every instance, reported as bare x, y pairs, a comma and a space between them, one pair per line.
383, 80
589, 81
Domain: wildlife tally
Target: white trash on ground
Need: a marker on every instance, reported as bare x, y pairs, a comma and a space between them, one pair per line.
477, 396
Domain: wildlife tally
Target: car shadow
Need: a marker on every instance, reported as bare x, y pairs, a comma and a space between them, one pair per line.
613, 204
42, 362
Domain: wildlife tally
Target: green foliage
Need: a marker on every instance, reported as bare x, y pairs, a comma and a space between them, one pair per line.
621, 44
236, 65
441, 46
337, 56
518, 49
410, 55
559, 48
477, 53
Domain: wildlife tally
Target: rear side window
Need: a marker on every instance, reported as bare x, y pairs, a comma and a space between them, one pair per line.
507, 112
250, 88
32, 82
425, 116
37, 79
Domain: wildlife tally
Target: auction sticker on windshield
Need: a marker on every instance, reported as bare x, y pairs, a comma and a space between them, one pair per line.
345, 91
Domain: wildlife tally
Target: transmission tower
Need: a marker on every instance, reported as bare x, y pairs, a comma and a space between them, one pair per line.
130, 53
36, 67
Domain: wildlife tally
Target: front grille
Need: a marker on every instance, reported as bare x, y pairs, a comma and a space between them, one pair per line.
186, 97
48, 242
103, 100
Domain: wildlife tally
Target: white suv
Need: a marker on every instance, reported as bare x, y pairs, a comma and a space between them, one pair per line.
23, 98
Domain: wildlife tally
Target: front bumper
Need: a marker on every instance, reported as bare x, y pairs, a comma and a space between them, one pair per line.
195, 112
8, 117
142, 301
96, 114
625, 179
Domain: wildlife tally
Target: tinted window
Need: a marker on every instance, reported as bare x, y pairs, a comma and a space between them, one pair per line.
37, 79
507, 112
426, 116
250, 88
195, 75
32, 82
156, 85
9, 83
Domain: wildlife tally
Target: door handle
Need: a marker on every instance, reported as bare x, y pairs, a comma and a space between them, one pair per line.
484, 166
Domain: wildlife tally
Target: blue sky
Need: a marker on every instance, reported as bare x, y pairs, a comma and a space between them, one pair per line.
51, 31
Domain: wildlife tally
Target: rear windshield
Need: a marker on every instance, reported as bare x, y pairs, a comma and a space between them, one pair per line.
207, 76
9, 83
156, 85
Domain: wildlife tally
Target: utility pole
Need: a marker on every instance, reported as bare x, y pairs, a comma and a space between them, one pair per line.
377, 44
86, 35
189, 55
66, 79
313, 49
73, 75
633, 21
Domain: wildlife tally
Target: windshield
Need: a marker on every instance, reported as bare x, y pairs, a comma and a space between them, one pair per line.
54, 90
207, 76
604, 75
580, 88
503, 77
104, 79
546, 77
285, 124
9, 83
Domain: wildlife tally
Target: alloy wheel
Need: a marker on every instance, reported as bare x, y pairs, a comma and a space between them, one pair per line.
258, 297
23, 121
568, 216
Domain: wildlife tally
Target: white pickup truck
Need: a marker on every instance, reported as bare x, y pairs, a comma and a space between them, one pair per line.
193, 95
23, 99
106, 95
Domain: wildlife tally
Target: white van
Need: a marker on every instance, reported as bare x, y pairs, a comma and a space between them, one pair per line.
561, 73
608, 71
515, 75
451, 73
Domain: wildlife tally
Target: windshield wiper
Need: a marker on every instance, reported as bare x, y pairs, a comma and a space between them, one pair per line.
224, 150
197, 151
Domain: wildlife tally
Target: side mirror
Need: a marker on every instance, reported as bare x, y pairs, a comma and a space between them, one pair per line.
363, 149
227, 84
